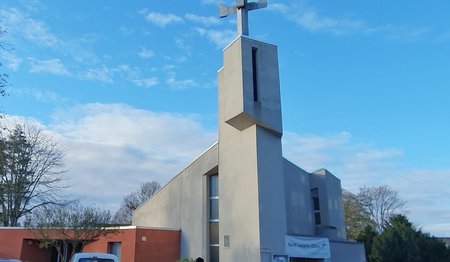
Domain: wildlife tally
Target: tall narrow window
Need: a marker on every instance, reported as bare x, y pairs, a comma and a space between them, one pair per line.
255, 73
316, 206
213, 188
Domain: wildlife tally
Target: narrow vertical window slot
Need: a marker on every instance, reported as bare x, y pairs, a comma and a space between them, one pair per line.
213, 192
255, 73
316, 206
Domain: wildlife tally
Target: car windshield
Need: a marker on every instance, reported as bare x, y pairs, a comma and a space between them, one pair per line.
95, 260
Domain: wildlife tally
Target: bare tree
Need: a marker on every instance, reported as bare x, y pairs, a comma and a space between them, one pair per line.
356, 217
3, 76
31, 169
69, 228
381, 203
132, 201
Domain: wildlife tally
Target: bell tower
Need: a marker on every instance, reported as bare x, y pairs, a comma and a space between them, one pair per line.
252, 95
252, 215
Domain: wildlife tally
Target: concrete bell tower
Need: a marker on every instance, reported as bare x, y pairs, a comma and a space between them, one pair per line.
252, 217
241, 200
252, 92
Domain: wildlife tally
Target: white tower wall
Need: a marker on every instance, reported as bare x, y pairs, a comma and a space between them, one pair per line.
251, 189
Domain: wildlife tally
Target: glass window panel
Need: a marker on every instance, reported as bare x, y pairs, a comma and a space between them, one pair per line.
315, 192
317, 218
214, 254
213, 233
214, 209
316, 203
214, 185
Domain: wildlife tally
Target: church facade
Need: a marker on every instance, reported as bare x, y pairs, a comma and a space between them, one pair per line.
241, 200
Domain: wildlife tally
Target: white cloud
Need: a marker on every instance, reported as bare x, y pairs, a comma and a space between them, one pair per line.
174, 59
43, 96
13, 62
37, 32
115, 148
46, 96
146, 53
373, 155
127, 30
313, 152
25, 30
32, 5
181, 44
208, 2
146, 82
426, 191
168, 68
102, 74
52, 66
162, 20
204, 20
356, 164
400, 33
175, 83
220, 38
25, 27
126, 71
142, 11
310, 19
119, 73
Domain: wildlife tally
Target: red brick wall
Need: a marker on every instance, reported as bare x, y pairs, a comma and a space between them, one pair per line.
11, 243
32, 253
125, 236
142, 245
159, 245
137, 245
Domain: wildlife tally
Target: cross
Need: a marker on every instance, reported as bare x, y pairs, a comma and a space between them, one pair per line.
241, 10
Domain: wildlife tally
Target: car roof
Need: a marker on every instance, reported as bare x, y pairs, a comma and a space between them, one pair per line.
94, 255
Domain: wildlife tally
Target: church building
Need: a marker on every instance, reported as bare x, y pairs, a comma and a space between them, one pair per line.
241, 200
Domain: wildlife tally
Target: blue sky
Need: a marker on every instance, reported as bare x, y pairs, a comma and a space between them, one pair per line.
130, 90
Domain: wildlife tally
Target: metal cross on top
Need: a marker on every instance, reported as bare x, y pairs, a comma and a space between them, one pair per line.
241, 9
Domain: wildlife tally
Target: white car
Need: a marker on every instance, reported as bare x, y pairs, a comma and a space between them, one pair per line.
93, 257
